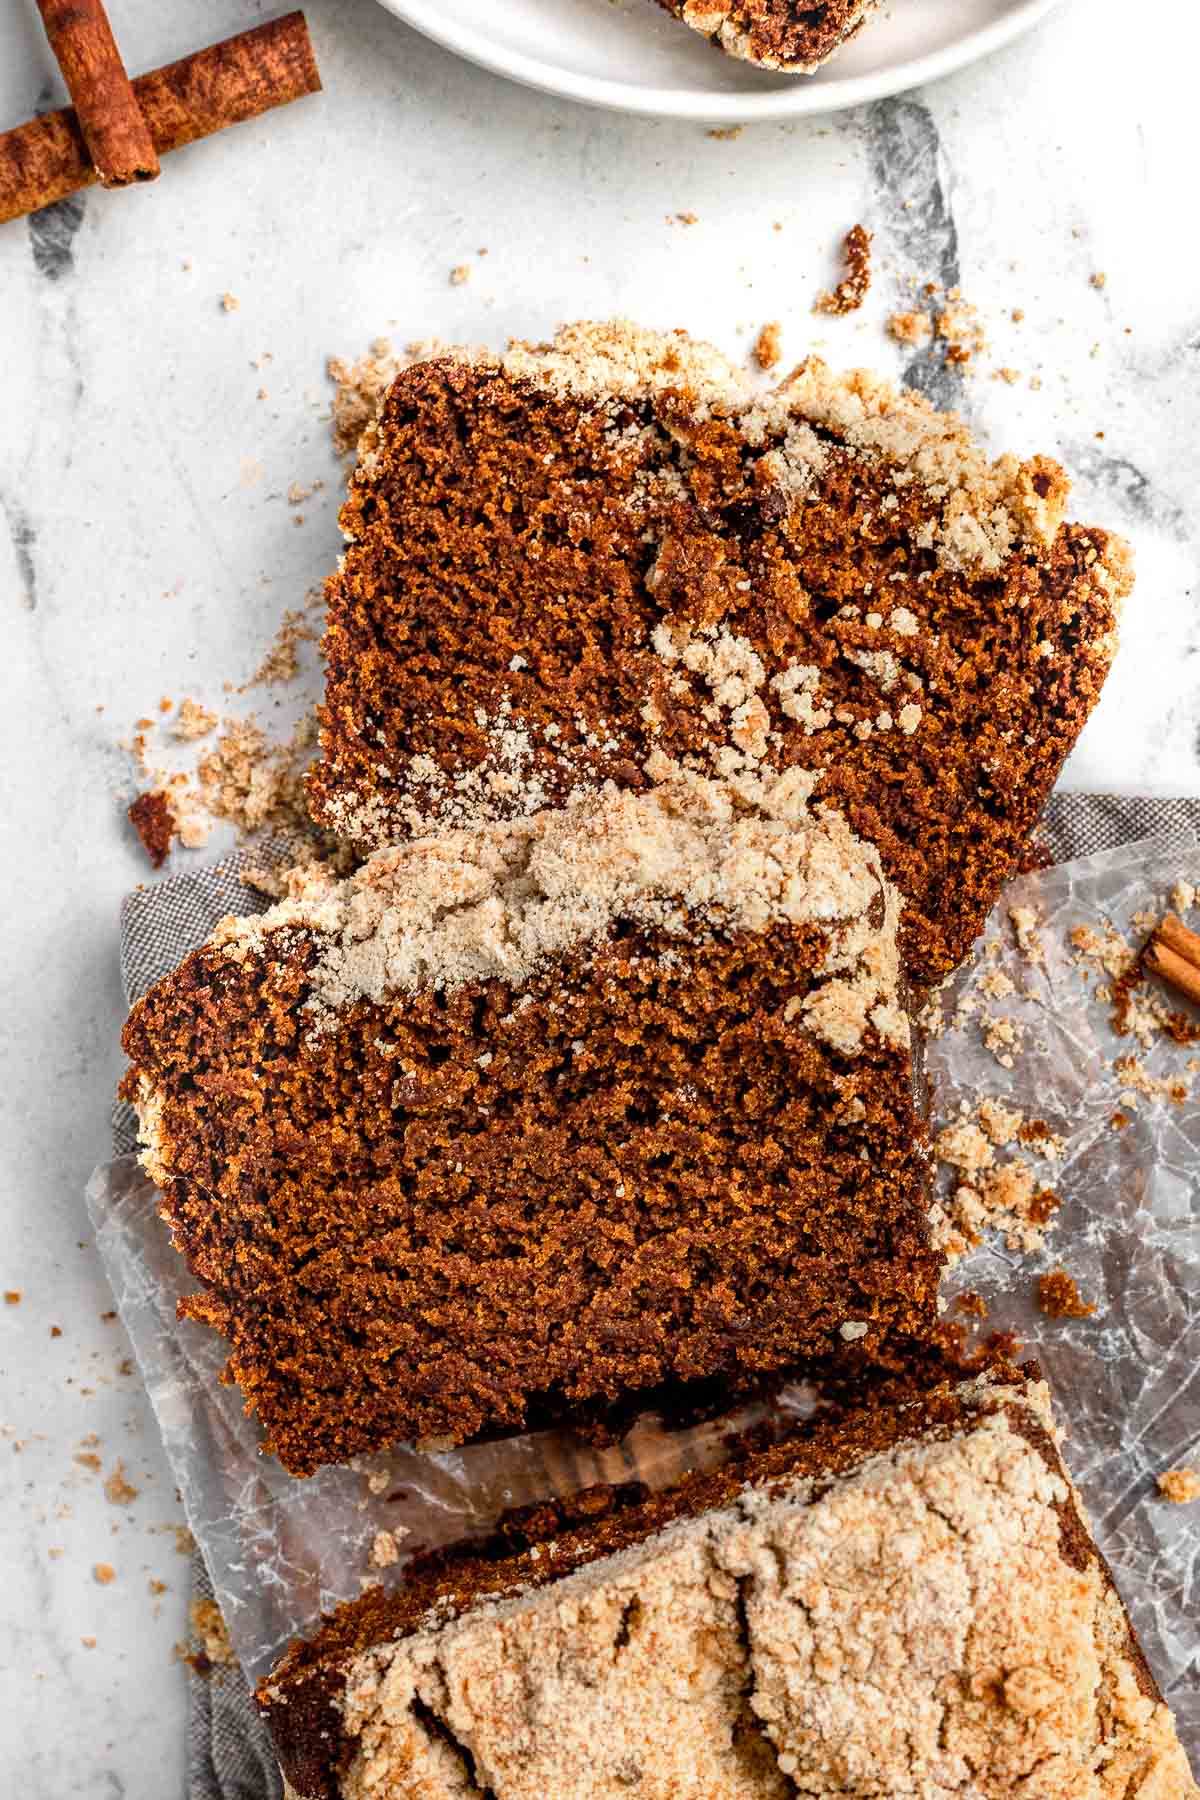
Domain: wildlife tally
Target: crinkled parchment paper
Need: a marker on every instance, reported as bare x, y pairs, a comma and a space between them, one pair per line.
1126, 1380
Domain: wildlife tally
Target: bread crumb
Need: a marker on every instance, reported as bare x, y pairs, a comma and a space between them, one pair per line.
12, 1297
385, 1550
230, 303
768, 346
118, 1491
1059, 1298
1004, 1037
961, 330
1098, 280
912, 328
726, 133
460, 273
192, 721
281, 663
185, 1543
103, 1573
89, 1643
153, 818
209, 1626
1179, 1486
853, 288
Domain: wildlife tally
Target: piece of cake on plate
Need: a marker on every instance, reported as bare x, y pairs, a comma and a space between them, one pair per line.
791, 36
615, 558
553, 1117
902, 1602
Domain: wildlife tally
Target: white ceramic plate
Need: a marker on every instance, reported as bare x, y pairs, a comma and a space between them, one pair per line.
633, 56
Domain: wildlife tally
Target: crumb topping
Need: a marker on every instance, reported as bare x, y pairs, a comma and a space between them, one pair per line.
497, 904
912, 1629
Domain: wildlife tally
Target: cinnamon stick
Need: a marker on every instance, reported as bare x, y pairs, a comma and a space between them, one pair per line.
111, 121
201, 94
1174, 953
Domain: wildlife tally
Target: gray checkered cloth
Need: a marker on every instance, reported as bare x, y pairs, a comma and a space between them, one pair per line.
229, 1753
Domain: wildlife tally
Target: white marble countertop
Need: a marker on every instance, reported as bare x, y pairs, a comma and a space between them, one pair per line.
147, 549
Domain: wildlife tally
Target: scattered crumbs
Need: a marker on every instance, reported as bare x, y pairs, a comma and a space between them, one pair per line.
209, 1627
118, 1491
378, 1481
768, 346
1000, 1123
852, 290
726, 133
996, 985
1179, 1486
87, 1459
12, 1297
1098, 280
460, 273
1183, 896
185, 1543
230, 303
192, 721
55, 1552
1008, 1198
960, 329
103, 1573
281, 663
89, 1643
153, 818
1136, 1079
385, 1549
359, 388
1037, 1136
299, 491
912, 328
156, 1587
56, 1331
972, 1303
1003, 1037
683, 218
1119, 1121
965, 1148
1018, 315
1059, 1298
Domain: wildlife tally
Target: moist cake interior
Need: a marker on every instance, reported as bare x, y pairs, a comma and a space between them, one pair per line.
613, 558
549, 1121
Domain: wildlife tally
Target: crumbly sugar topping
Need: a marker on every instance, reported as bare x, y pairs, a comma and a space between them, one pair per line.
691, 858
988, 507
912, 1629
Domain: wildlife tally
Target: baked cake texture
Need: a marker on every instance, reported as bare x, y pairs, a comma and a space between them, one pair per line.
905, 1602
616, 556
794, 36
536, 1121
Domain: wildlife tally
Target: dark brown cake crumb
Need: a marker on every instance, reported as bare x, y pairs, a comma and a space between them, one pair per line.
153, 818
852, 290
973, 1304
1059, 1298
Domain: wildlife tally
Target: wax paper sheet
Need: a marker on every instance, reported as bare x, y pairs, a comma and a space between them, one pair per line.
1126, 1379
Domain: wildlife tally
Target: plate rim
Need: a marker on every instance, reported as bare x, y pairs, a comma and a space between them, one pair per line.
806, 98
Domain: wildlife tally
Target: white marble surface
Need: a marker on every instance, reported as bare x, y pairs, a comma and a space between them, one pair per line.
146, 549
